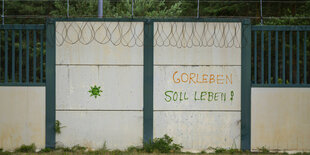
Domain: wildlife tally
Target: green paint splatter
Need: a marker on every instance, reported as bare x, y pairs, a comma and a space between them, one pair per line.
232, 95
95, 91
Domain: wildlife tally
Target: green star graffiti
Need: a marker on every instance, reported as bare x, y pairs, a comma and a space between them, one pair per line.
95, 91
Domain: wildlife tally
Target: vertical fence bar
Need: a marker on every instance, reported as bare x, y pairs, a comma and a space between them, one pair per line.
255, 57
20, 55
6, 56
262, 57
27, 56
291, 57
41, 56
283, 57
305, 57
276, 57
0, 56
13, 56
297, 58
269, 57
34, 56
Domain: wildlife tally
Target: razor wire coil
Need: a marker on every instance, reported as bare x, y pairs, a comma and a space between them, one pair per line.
173, 34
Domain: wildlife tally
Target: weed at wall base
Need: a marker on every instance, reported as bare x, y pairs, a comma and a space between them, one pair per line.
26, 148
263, 150
162, 145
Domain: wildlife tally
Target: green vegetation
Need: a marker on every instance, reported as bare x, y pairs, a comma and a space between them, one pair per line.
227, 151
75, 148
58, 127
31, 12
162, 145
46, 150
26, 148
263, 150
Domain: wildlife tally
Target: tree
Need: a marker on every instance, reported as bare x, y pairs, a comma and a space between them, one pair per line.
149, 8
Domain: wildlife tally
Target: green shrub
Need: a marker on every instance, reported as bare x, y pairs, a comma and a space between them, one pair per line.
263, 150
220, 150
203, 152
5, 153
66, 149
232, 151
26, 148
76, 148
58, 127
116, 152
45, 150
226, 151
134, 149
162, 145
101, 150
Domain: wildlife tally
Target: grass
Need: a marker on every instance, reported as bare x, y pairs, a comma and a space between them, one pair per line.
263, 150
26, 148
131, 151
163, 145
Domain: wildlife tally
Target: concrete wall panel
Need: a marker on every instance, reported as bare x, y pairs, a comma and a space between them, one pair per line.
84, 43
198, 130
118, 129
195, 87
217, 34
280, 118
196, 119
22, 117
122, 87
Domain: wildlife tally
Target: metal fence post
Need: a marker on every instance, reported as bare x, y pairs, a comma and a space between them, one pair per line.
148, 81
246, 86
50, 85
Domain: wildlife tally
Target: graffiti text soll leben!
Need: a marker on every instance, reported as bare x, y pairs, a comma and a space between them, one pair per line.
175, 96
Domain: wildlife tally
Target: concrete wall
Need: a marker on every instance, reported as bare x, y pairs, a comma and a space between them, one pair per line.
118, 70
115, 117
280, 118
197, 94
22, 117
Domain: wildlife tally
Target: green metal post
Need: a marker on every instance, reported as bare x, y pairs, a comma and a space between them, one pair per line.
297, 58
262, 57
283, 57
34, 56
305, 57
6, 57
269, 57
255, 57
277, 58
291, 57
27, 56
20, 56
246, 86
50, 85
13, 56
41, 56
148, 82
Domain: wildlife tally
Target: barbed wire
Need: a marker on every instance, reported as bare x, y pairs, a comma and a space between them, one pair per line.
118, 33
197, 34
174, 34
